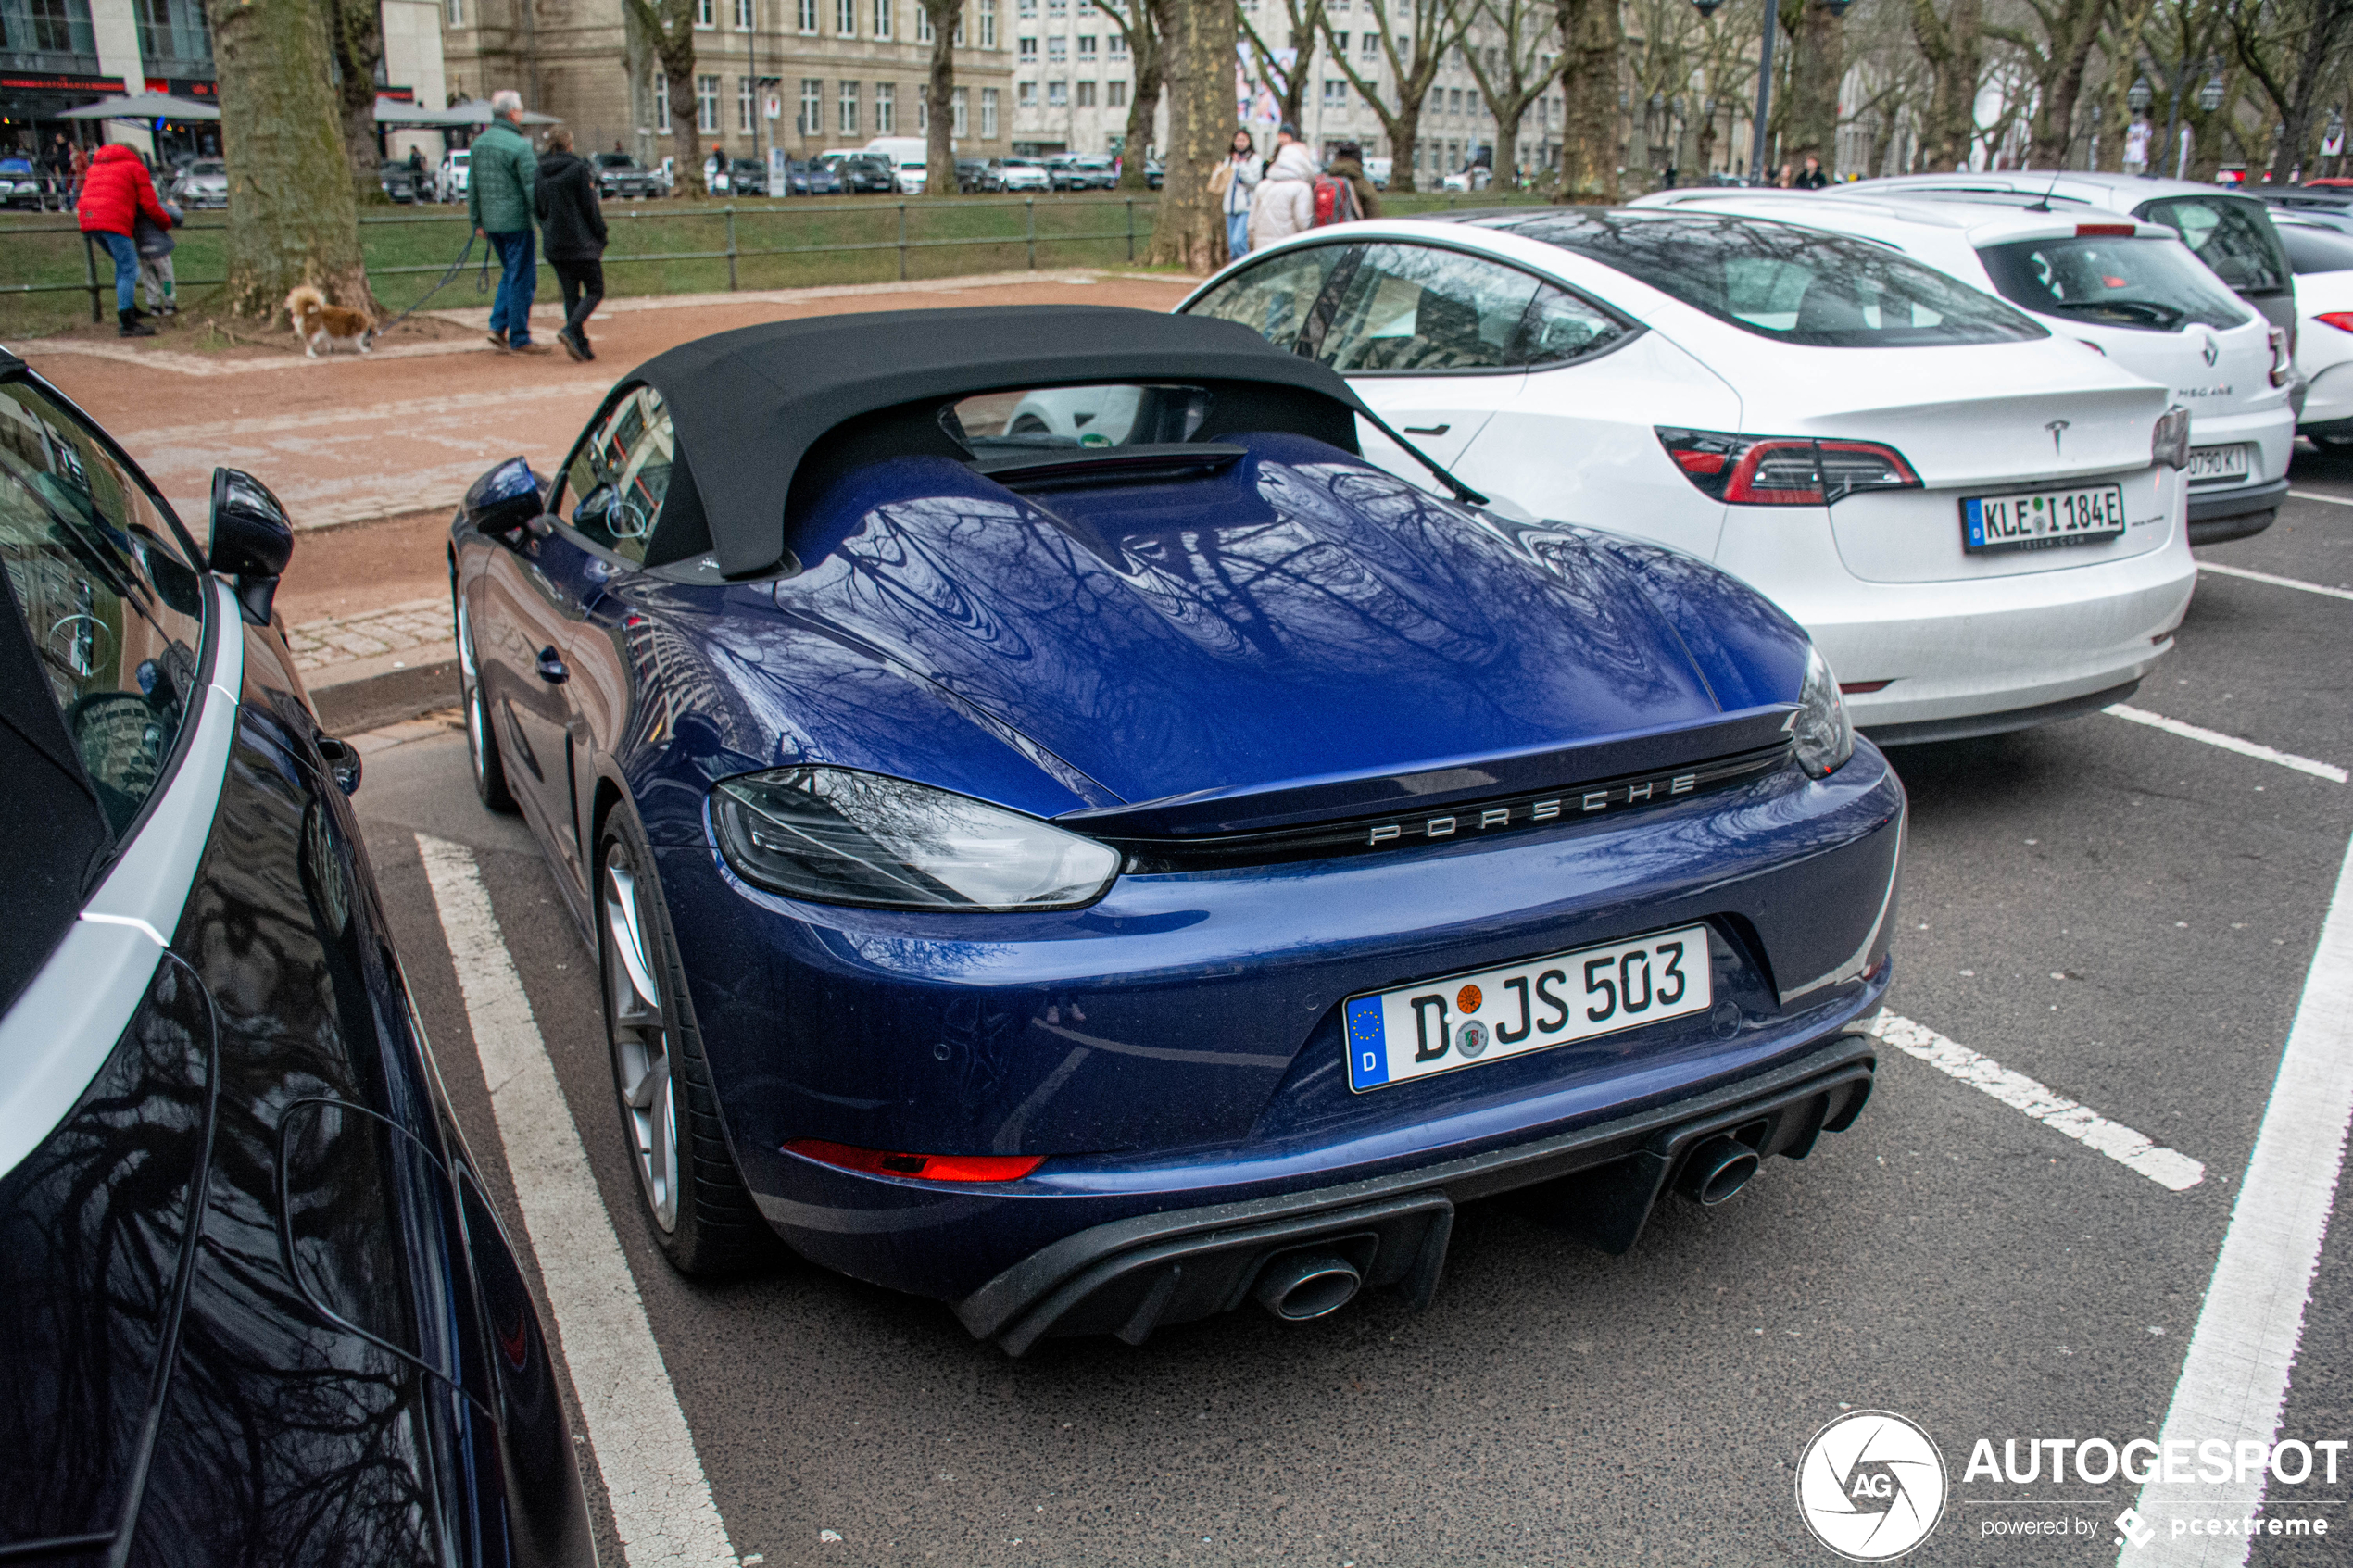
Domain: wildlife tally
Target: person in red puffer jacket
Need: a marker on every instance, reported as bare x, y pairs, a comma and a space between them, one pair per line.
114, 192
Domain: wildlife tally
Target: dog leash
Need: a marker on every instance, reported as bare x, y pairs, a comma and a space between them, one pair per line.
482, 283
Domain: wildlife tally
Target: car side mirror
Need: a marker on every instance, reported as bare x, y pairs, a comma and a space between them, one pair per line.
505, 502
251, 540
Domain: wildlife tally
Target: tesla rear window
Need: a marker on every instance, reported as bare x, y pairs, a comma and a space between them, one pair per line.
2230, 234
2152, 284
1793, 285
2317, 250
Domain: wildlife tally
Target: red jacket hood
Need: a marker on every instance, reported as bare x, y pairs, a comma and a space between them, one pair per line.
113, 152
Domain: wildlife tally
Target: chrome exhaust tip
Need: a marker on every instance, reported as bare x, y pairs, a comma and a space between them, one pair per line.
1299, 1286
1716, 1170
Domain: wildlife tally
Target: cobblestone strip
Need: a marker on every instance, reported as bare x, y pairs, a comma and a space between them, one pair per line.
322, 645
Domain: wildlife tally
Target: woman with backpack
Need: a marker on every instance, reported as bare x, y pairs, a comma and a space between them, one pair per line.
1348, 167
1284, 202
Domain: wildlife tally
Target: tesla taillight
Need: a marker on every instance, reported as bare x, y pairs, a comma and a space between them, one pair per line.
922, 1167
2341, 319
1783, 471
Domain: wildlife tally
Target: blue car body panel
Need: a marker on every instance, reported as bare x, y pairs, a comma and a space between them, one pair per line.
1300, 637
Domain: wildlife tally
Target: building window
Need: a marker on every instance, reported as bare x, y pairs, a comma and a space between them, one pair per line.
705, 13
1475, 109
1057, 7
1086, 46
882, 19
743, 22
957, 128
848, 124
959, 39
456, 12
1116, 46
845, 18
1455, 100
1086, 7
989, 24
1026, 48
1026, 96
809, 16
1057, 94
662, 104
1115, 94
989, 113
886, 110
812, 106
1025, 7
922, 22
706, 103
1371, 47
1335, 91
1086, 95
747, 103
1339, 44
1057, 48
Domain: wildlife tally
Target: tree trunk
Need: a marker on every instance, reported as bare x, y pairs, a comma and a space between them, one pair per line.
292, 220
1593, 43
2326, 31
1147, 36
939, 97
1197, 69
668, 26
1506, 168
1820, 66
1954, 48
356, 33
686, 127
1302, 45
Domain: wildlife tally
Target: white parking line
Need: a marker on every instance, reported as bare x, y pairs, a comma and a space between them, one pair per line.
661, 1504
2136, 1152
2328, 771
2234, 1378
2316, 495
2276, 582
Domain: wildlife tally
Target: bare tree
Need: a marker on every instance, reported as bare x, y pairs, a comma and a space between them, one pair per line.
1433, 27
1514, 74
2289, 62
669, 27
1196, 73
1954, 46
1146, 32
356, 33
1814, 76
939, 97
1592, 35
2055, 52
1290, 83
293, 219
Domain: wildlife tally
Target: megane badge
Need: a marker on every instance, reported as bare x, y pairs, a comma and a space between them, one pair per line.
2212, 351
2056, 428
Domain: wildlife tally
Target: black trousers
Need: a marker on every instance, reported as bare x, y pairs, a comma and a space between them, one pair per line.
584, 286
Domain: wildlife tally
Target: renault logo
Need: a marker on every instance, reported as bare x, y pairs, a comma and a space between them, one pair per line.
2057, 428
2212, 351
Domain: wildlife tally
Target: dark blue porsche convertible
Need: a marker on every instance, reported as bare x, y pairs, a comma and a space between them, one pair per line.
1066, 836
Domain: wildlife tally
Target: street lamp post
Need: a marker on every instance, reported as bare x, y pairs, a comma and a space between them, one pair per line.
1765, 72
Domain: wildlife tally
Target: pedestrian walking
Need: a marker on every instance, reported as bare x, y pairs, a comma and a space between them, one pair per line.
58, 164
115, 194
572, 225
1234, 182
1348, 163
500, 187
1284, 203
155, 245
77, 169
1811, 177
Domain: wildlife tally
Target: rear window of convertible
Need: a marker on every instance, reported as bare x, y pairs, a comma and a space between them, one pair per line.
1793, 285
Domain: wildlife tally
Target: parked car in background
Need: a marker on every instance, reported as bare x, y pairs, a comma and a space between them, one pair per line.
1156, 173
2129, 288
1475, 178
908, 157
747, 177
403, 184
860, 173
930, 990
1377, 170
19, 184
811, 180
1015, 174
257, 1301
204, 184
449, 181
969, 173
2323, 257
621, 177
1981, 524
1080, 171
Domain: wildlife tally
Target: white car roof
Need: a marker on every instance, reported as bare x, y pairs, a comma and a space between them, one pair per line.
1981, 223
2117, 192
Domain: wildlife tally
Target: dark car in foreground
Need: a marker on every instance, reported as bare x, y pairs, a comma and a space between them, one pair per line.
621, 178
257, 1307
1066, 834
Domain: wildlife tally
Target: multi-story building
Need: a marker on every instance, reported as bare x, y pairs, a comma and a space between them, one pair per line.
1073, 78
57, 55
802, 75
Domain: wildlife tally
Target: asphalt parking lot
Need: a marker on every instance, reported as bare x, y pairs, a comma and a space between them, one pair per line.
2124, 913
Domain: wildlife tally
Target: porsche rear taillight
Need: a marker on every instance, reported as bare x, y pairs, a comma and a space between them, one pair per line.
1782, 470
922, 1167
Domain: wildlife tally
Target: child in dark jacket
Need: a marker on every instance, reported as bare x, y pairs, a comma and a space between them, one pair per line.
572, 228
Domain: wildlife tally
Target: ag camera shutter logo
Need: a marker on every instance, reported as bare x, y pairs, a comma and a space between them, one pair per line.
1870, 1486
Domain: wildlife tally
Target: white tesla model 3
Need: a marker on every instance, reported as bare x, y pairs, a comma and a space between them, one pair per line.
1981, 524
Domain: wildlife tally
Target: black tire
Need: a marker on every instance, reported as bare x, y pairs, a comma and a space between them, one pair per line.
689, 1192
2335, 445
482, 741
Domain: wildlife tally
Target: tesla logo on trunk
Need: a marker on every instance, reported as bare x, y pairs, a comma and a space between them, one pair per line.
2057, 428
2211, 352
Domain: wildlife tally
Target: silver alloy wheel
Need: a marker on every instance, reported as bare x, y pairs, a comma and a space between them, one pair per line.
640, 1039
468, 685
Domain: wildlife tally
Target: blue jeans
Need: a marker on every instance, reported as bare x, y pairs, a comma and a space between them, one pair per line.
1237, 234
518, 280
126, 267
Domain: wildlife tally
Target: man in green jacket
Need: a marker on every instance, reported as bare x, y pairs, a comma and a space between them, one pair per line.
500, 188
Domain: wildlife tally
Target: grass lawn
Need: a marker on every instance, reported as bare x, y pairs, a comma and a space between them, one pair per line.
778, 244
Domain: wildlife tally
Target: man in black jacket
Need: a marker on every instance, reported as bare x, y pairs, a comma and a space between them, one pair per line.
572, 225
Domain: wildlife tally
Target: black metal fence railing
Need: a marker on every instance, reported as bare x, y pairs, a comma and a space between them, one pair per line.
97, 283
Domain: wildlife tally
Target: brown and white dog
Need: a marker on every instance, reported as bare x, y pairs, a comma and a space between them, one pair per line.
319, 324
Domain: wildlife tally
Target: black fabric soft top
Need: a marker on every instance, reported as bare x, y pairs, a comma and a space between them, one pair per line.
749, 405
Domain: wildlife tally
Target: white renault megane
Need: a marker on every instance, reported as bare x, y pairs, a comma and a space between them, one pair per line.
1981, 524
